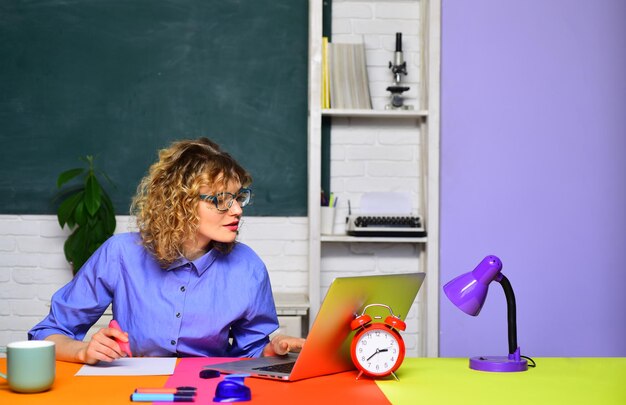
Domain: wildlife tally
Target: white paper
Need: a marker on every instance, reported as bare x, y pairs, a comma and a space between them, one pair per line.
131, 366
376, 203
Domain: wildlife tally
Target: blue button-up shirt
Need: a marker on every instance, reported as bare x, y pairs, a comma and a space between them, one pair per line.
191, 308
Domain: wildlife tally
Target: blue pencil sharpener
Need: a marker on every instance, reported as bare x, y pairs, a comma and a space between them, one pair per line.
233, 389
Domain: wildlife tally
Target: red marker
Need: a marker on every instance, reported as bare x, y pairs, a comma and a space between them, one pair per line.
125, 346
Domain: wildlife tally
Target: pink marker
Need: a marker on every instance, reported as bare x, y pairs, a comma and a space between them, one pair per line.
125, 346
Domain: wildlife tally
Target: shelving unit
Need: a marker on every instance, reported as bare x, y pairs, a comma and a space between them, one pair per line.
428, 127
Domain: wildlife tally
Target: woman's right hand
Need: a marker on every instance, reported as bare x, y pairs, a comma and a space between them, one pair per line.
103, 347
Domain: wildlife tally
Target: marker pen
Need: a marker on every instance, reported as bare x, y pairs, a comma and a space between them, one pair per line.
125, 346
176, 390
140, 397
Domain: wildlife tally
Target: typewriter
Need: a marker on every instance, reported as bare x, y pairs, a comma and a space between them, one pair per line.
385, 225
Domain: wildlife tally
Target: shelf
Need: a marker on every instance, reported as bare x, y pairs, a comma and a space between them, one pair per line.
366, 239
375, 113
418, 129
291, 304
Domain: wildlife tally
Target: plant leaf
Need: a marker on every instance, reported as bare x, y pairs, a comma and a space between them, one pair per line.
75, 248
87, 210
108, 179
108, 214
72, 244
98, 234
80, 215
67, 192
93, 193
65, 212
68, 175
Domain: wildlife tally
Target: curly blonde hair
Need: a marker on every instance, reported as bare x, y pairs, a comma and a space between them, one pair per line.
167, 197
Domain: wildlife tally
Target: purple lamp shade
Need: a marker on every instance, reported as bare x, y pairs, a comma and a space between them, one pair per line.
469, 291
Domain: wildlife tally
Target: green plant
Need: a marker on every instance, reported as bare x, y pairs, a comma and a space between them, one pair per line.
87, 211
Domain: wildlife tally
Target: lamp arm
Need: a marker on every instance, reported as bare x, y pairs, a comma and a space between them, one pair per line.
511, 311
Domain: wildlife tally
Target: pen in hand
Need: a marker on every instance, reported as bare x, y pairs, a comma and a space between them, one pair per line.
125, 346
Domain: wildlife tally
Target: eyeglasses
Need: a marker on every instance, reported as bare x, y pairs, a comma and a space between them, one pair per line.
223, 201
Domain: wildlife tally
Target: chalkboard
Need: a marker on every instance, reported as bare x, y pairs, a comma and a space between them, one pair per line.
121, 79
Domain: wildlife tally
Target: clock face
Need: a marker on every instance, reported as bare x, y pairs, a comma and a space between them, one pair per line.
378, 351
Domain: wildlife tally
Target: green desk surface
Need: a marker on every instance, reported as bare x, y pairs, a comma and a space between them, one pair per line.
554, 381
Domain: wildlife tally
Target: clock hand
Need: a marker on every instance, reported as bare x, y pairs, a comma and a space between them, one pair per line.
376, 352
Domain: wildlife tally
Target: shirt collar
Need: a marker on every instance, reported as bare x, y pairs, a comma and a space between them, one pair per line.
201, 264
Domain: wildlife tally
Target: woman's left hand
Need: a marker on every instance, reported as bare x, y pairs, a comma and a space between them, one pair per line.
283, 344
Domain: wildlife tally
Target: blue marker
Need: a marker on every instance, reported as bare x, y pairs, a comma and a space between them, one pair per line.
141, 397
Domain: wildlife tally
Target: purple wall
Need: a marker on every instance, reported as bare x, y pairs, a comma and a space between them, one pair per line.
533, 170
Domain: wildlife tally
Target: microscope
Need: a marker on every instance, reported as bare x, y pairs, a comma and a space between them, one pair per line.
398, 68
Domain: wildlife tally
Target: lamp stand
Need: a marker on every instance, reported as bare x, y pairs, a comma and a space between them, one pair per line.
514, 361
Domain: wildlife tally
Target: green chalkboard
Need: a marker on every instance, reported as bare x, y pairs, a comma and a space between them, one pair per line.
120, 79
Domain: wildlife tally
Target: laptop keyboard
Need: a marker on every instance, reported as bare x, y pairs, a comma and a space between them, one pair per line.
280, 368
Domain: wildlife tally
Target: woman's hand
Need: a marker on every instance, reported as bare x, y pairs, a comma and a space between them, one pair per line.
101, 347
282, 344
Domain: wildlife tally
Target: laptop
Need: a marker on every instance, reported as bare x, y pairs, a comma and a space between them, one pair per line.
327, 347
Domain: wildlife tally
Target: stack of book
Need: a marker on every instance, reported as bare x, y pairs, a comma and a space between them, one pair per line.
344, 76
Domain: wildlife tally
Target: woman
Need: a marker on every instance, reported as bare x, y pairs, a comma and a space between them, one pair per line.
182, 285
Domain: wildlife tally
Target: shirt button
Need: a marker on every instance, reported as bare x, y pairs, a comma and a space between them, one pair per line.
177, 314
183, 288
172, 342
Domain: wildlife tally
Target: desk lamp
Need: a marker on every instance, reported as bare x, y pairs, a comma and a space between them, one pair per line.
468, 292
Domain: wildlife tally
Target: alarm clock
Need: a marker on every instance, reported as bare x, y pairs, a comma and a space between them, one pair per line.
377, 349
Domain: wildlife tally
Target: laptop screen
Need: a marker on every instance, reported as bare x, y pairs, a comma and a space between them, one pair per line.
327, 348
